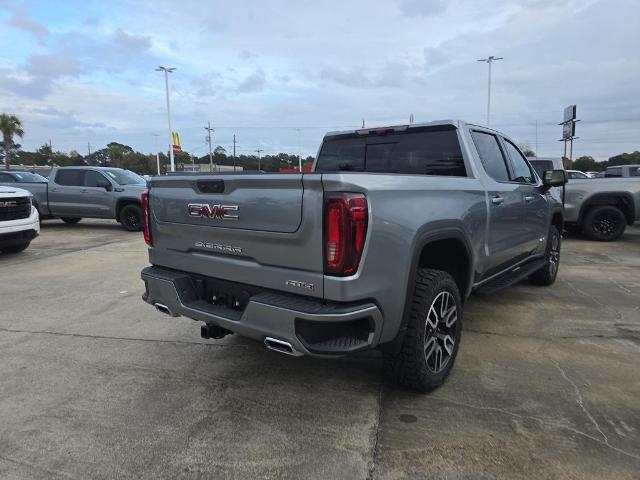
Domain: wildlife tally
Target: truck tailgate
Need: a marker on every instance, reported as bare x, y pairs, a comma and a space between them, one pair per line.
262, 229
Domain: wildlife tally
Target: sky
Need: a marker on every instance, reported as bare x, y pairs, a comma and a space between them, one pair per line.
279, 74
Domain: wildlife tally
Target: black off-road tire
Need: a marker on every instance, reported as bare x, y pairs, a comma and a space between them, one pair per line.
547, 274
412, 365
15, 248
604, 223
70, 219
131, 218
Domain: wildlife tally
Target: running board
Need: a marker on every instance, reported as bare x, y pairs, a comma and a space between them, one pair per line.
511, 278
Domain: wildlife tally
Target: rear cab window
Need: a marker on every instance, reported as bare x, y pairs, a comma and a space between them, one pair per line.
418, 150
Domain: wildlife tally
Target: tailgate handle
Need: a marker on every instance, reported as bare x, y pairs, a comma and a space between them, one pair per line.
210, 186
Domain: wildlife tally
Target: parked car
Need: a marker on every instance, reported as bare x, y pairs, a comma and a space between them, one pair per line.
623, 171
577, 175
602, 208
592, 174
73, 193
377, 247
19, 221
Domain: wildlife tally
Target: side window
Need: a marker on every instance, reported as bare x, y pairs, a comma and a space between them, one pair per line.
521, 171
491, 155
6, 178
634, 171
94, 179
72, 178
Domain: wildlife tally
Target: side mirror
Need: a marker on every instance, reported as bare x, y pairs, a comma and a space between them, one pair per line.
554, 178
106, 185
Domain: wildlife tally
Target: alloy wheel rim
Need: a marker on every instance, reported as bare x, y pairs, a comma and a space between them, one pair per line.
132, 220
605, 224
440, 332
554, 253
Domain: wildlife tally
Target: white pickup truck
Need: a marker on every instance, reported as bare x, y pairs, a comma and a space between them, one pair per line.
19, 220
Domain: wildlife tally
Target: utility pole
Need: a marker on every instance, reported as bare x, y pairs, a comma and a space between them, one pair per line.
167, 71
489, 61
50, 153
299, 151
208, 138
234, 152
259, 151
536, 138
88, 149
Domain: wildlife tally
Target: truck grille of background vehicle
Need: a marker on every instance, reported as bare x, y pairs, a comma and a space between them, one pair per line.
22, 208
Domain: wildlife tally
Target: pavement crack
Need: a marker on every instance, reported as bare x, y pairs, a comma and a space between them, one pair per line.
580, 402
542, 421
375, 441
107, 337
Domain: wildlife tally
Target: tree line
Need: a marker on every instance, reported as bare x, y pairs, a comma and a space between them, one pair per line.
119, 155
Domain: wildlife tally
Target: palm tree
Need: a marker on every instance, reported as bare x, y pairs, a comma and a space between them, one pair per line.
10, 125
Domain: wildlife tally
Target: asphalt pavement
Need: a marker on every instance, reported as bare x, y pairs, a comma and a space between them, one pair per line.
94, 383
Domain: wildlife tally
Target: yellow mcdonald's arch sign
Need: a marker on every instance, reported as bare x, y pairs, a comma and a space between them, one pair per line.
175, 139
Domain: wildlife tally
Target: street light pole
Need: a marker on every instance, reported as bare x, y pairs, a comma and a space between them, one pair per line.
156, 135
167, 71
259, 151
299, 151
489, 61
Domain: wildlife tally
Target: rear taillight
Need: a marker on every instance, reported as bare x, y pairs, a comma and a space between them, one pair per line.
345, 229
146, 228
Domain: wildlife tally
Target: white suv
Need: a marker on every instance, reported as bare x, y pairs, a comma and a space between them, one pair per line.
19, 220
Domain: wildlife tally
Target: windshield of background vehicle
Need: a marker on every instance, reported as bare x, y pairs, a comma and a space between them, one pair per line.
28, 177
125, 177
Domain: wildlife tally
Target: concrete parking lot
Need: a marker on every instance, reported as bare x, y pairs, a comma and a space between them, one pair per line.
96, 384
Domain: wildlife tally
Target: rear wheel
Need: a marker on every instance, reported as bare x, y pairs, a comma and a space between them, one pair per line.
16, 248
131, 218
547, 274
604, 223
70, 219
433, 333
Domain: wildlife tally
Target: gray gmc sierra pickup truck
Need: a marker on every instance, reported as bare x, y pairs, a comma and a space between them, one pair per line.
72, 193
378, 247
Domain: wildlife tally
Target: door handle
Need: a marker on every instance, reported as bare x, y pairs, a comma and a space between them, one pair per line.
84, 190
497, 200
529, 198
54, 189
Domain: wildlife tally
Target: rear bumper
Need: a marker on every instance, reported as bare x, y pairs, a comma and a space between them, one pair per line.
310, 326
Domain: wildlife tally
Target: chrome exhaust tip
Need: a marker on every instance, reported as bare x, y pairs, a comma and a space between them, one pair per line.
281, 346
162, 308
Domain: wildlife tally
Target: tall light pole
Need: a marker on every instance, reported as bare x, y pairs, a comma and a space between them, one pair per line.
489, 61
156, 135
259, 151
167, 71
299, 151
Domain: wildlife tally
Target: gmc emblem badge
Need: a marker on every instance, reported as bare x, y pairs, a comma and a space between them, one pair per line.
10, 203
219, 212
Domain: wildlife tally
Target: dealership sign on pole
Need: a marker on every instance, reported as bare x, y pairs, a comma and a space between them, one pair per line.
569, 129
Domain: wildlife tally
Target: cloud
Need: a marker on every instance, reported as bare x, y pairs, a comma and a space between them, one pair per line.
253, 83
422, 8
20, 21
246, 55
35, 88
354, 77
52, 65
130, 43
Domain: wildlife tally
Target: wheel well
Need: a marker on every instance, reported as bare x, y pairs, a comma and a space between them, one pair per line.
123, 203
451, 256
621, 201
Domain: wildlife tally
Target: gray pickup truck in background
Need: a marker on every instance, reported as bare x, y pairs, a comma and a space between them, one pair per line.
73, 193
601, 208
378, 247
